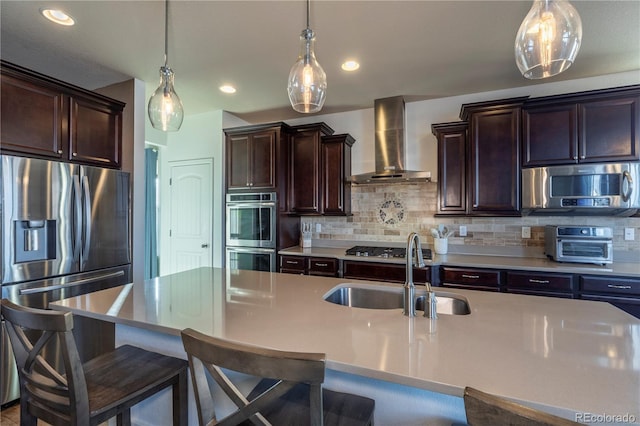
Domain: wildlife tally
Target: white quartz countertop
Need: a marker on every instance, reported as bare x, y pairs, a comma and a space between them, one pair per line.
564, 356
483, 261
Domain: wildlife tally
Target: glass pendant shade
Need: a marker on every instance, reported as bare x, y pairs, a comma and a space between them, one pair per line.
548, 39
307, 80
165, 107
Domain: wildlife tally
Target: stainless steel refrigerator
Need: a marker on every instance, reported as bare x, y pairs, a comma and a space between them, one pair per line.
65, 232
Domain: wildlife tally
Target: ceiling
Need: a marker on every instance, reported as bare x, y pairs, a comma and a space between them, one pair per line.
419, 49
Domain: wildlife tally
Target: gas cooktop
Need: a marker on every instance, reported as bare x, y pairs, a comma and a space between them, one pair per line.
384, 252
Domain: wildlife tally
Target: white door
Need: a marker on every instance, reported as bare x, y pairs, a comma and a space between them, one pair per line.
190, 235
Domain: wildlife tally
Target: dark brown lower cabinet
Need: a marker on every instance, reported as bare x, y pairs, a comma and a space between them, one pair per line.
622, 292
293, 265
304, 265
323, 266
470, 278
388, 272
540, 283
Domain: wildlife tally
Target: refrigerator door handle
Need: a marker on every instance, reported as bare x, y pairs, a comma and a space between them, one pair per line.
78, 217
87, 218
71, 284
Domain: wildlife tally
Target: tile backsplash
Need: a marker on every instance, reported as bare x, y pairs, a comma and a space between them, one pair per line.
388, 213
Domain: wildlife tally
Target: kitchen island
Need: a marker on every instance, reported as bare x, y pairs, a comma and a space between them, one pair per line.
568, 357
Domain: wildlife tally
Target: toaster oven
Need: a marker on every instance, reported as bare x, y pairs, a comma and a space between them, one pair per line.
580, 244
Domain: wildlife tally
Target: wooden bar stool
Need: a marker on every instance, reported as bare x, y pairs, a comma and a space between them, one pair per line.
90, 393
290, 393
484, 409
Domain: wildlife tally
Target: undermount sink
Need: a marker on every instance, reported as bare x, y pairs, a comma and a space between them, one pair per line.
387, 297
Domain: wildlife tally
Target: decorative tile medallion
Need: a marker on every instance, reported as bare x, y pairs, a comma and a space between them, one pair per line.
391, 212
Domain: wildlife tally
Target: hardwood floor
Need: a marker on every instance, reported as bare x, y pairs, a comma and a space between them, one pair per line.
10, 416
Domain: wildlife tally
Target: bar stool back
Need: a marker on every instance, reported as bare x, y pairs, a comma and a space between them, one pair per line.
84, 394
290, 392
484, 409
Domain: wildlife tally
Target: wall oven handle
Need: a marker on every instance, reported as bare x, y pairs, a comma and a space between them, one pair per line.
71, 284
626, 176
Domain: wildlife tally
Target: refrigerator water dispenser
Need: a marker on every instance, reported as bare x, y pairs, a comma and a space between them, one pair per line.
34, 240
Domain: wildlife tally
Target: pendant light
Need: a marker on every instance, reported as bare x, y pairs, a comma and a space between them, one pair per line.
548, 39
165, 107
307, 81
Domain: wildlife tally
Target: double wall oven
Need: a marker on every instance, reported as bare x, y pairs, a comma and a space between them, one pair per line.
251, 231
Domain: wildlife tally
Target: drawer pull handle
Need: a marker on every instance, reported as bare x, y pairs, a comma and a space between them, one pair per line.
292, 262
533, 280
322, 264
475, 277
620, 287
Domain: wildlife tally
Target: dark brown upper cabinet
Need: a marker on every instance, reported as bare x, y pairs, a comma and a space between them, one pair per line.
494, 157
46, 118
336, 169
305, 168
256, 159
452, 167
589, 127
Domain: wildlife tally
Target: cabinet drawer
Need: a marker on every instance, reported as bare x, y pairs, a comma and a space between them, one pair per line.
384, 272
484, 278
293, 264
610, 285
540, 281
323, 266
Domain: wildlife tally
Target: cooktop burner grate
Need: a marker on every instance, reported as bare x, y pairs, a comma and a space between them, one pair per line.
384, 252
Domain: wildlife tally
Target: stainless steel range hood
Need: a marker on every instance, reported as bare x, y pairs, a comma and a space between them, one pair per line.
390, 153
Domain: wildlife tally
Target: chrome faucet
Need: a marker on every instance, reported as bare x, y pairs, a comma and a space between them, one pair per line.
414, 252
414, 257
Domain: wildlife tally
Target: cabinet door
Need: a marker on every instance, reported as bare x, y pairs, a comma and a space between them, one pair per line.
610, 130
262, 154
495, 162
95, 132
237, 161
452, 167
33, 119
550, 135
304, 169
336, 167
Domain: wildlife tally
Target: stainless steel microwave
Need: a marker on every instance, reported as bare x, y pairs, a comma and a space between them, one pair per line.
606, 189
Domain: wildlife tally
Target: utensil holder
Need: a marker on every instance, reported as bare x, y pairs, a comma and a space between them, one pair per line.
441, 245
305, 240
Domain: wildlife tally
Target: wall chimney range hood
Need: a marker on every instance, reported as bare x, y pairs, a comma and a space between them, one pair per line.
390, 153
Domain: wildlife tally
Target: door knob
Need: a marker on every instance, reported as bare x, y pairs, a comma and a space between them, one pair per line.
204, 245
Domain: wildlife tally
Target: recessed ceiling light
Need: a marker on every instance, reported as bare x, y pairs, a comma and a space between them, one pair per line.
57, 16
350, 65
227, 88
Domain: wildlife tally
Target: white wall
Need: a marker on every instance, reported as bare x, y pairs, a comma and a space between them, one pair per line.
200, 136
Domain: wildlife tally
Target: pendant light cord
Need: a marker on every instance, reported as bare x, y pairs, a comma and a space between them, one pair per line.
308, 6
166, 32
